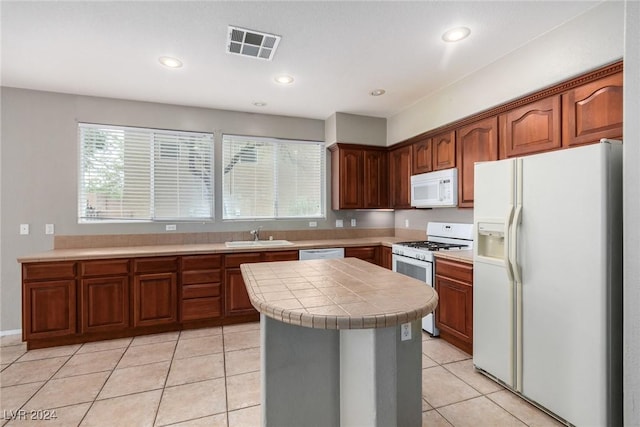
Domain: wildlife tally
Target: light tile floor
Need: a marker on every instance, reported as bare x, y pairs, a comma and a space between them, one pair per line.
211, 377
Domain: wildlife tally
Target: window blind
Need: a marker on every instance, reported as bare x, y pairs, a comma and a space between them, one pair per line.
140, 174
267, 178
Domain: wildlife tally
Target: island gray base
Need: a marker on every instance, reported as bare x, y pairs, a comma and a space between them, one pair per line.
351, 377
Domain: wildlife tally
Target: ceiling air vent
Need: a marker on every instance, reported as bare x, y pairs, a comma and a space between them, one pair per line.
255, 44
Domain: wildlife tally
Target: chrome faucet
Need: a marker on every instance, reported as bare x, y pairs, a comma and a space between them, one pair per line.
256, 233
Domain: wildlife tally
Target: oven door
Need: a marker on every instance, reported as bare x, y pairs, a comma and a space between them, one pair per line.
423, 271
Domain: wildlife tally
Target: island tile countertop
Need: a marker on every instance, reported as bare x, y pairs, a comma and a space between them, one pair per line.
346, 293
195, 249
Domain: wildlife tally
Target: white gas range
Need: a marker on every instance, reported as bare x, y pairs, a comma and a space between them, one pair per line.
415, 259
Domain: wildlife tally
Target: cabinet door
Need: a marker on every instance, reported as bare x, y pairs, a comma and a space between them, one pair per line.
155, 299
369, 253
236, 297
422, 156
444, 151
400, 177
49, 309
592, 112
351, 175
104, 304
477, 142
386, 257
531, 129
376, 179
454, 315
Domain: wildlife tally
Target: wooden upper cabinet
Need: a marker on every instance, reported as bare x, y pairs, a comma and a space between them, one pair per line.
359, 177
592, 111
376, 179
400, 177
422, 156
477, 142
444, 150
532, 128
349, 178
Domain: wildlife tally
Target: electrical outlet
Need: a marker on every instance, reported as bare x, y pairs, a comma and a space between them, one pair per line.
313, 224
48, 229
339, 223
405, 331
170, 227
406, 223
24, 229
353, 222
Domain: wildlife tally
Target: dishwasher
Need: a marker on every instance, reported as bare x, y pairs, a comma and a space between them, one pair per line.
326, 253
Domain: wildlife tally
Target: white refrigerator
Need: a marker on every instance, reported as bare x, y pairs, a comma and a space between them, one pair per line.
547, 289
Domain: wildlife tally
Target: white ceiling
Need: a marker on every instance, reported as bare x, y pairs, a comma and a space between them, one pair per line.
337, 51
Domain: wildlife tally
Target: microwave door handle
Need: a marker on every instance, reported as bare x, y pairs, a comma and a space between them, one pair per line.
440, 190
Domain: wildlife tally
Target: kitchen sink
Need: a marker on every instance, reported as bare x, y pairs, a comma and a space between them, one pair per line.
257, 243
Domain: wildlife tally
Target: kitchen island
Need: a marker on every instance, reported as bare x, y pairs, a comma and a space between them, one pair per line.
340, 342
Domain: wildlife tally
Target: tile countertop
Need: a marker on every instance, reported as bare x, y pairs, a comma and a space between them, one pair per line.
344, 293
463, 256
195, 249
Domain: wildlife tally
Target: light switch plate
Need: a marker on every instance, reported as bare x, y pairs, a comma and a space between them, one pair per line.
170, 227
406, 223
49, 229
353, 222
339, 223
313, 223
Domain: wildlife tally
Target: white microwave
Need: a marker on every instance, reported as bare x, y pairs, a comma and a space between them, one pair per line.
435, 189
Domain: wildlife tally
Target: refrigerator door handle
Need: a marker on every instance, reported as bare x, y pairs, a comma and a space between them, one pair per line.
507, 242
513, 244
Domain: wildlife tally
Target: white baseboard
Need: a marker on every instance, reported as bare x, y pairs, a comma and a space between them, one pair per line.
10, 332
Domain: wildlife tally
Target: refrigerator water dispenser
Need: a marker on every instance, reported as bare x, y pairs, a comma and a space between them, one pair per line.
491, 240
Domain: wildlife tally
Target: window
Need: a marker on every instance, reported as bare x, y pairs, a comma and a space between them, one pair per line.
139, 174
272, 178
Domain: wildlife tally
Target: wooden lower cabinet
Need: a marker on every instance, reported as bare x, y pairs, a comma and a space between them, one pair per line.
386, 257
104, 304
366, 253
201, 288
49, 309
454, 315
155, 299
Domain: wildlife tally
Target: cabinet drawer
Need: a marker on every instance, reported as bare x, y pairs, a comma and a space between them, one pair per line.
201, 290
104, 267
201, 308
201, 262
202, 276
281, 256
455, 270
236, 259
155, 265
45, 271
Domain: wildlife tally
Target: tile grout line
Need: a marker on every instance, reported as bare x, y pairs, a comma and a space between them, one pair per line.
105, 381
50, 377
164, 386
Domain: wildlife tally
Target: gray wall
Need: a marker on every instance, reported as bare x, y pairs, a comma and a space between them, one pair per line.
356, 129
39, 171
631, 214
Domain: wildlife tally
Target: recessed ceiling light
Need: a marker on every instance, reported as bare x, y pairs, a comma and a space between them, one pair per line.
170, 62
377, 92
284, 79
456, 34
260, 104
